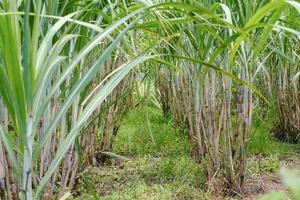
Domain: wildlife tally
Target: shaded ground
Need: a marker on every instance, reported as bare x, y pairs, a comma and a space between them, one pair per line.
159, 166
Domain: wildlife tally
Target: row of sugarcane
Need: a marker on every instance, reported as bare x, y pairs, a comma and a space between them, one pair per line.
213, 107
66, 83
89, 149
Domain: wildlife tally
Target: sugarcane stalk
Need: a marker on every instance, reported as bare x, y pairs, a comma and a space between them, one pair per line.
27, 174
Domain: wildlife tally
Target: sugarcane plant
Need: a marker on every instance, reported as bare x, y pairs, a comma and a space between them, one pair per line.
217, 107
283, 70
50, 54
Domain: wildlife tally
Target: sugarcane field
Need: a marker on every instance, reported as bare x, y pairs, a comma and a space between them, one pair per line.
150, 99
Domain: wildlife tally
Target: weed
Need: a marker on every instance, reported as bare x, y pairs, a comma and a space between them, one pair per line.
157, 136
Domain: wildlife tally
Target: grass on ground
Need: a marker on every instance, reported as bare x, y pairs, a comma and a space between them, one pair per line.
159, 165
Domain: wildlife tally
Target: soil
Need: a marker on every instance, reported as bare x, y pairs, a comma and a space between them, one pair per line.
256, 186
259, 185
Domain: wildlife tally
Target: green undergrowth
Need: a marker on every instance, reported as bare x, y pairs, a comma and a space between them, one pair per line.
267, 154
146, 131
154, 178
261, 141
158, 162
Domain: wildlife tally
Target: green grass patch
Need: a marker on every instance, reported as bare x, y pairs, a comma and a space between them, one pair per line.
142, 190
159, 166
155, 178
146, 131
183, 170
261, 142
